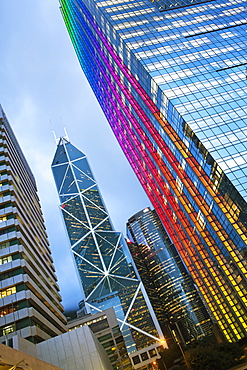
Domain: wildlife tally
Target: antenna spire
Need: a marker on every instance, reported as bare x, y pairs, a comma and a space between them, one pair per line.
66, 134
56, 139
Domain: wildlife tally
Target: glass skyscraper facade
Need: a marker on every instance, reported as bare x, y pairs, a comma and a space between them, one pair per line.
171, 80
100, 253
170, 288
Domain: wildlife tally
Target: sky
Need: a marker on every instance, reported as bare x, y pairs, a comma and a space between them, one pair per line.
42, 88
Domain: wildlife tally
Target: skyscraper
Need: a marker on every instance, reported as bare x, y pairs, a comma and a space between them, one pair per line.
30, 304
171, 80
170, 288
104, 266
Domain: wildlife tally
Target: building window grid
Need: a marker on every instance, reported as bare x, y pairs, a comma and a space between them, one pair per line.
8, 329
175, 305
5, 259
7, 292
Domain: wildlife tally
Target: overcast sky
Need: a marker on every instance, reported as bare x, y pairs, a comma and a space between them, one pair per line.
42, 88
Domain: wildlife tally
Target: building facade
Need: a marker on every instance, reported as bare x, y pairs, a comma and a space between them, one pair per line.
170, 288
30, 304
100, 253
75, 350
171, 80
106, 329
12, 358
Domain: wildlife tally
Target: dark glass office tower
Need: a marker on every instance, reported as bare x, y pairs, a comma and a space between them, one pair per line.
171, 80
30, 303
100, 253
170, 288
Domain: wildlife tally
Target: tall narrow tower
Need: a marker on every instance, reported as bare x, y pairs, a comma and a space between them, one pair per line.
104, 266
175, 299
30, 304
170, 77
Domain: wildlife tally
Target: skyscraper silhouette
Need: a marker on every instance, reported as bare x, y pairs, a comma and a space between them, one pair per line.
171, 80
100, 253
30, 304
170, 288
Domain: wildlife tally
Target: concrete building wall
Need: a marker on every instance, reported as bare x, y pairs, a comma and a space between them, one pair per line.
105, 328
75, 350
10, 356
30, 303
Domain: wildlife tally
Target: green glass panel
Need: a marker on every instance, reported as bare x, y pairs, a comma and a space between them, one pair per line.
74, 207
89, 274
96, 215
76, 230
102, 290
90, 252
94, 196
105, 225
106, 249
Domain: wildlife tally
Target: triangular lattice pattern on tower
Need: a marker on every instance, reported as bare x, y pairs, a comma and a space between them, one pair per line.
104, 268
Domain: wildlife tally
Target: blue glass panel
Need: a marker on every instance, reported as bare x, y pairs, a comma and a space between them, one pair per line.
84, 181
76, 230
73, 152
60, 156
83, 166
59, 173
74, 207
94, 196
95, 214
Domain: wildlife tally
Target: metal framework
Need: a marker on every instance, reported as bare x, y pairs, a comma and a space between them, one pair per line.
101, 255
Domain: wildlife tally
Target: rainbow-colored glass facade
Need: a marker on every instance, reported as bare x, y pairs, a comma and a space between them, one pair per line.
172, 84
